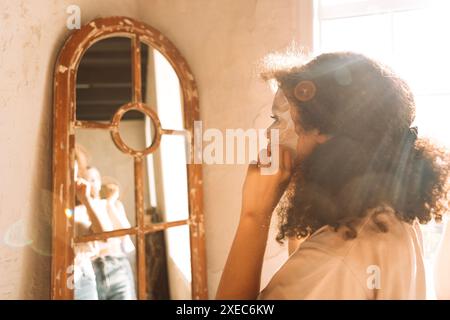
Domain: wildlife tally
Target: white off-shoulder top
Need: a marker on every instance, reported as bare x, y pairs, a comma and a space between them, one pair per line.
374, 265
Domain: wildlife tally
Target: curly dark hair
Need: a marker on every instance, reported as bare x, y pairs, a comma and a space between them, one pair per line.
373, 157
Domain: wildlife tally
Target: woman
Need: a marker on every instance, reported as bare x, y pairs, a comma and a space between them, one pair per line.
113, 275
363, 181
111, 193
85, 285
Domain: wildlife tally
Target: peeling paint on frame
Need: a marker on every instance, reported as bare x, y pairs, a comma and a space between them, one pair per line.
65, 121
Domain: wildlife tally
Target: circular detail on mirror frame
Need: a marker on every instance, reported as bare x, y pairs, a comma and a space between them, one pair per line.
115, 134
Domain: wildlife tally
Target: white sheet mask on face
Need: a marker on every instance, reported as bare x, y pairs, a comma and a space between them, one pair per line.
284, 123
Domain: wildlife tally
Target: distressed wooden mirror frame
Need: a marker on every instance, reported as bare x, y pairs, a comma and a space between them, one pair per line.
64, 126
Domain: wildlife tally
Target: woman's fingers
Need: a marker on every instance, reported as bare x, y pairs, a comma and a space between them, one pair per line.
264, 160
252, 167
283, 161
81, 181
269, 149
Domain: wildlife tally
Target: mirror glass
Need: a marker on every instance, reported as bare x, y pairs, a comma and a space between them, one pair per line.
169, 264
167, 182
107, 172
137, 131
105, 269
165, 168
105, 181
104, 80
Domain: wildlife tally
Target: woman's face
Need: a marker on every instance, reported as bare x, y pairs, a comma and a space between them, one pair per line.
291, 134
94, 179
283, 122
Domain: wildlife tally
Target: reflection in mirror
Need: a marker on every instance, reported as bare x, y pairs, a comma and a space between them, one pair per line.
166, 185
105, 269
161, 88
135, 125
169, 264
119, 165
104, 79
108, 174
105, 176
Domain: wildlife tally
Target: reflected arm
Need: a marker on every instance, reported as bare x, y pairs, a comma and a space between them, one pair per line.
83, 195
96, 225
118, 215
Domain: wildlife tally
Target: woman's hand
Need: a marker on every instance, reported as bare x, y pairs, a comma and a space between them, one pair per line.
241, 277
83, 193
83, 190
261, 193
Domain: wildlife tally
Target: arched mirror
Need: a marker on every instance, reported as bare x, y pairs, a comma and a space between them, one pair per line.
127, 206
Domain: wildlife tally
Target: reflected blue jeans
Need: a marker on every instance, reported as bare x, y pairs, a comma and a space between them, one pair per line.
114, 278
85, 284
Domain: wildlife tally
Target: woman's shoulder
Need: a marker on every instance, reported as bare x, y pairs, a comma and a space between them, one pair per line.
313, 271
379, 225
330, 265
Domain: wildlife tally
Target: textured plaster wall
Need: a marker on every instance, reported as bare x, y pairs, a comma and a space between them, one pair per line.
221, 40
31, 33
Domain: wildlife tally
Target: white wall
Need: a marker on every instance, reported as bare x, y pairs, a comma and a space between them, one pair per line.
221, 41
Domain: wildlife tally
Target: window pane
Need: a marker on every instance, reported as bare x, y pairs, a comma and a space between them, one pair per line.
368, 34
421, 49
432, 116
333, 9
